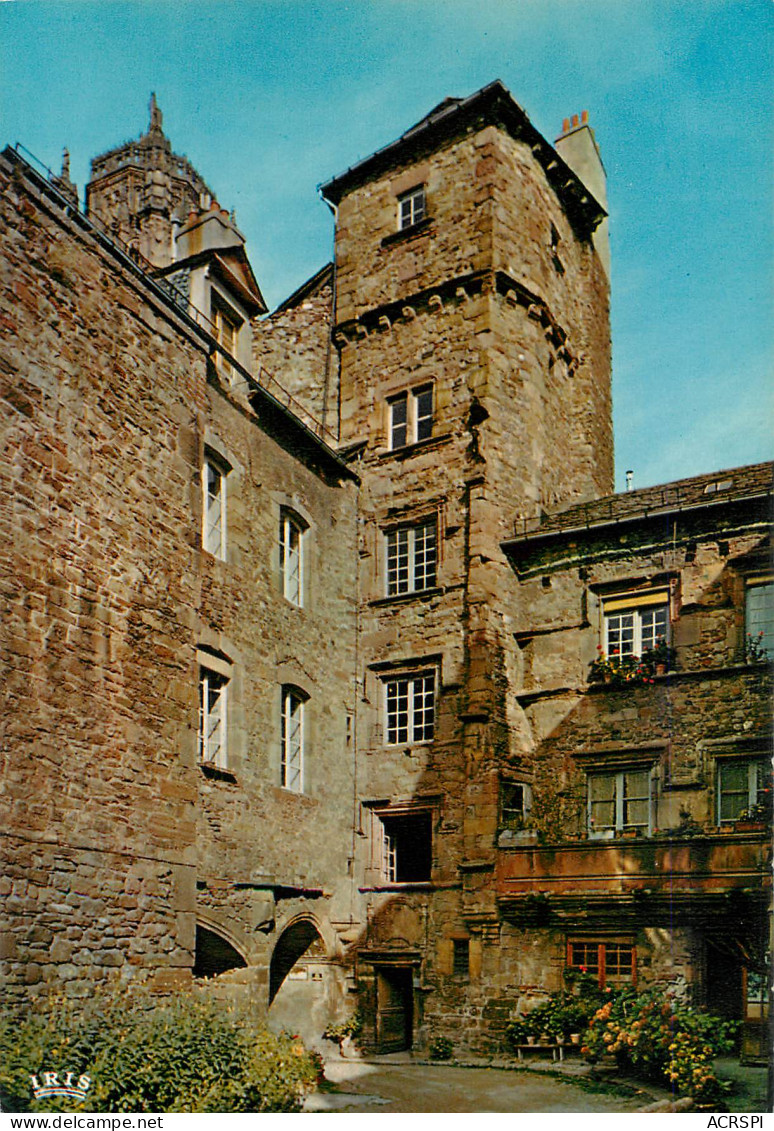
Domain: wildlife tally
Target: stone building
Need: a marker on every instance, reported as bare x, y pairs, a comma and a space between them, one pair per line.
303, 606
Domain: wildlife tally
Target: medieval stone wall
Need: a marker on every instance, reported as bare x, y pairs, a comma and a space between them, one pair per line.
110, 408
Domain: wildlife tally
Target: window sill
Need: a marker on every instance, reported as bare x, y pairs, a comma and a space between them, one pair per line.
417, 446
217, 773
683, 674
422, 227
402, 598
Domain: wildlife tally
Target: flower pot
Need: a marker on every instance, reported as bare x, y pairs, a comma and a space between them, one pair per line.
531, 1039
661, 669
545, 1038
575, 1038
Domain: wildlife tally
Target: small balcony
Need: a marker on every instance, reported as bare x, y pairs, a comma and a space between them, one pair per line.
658, 873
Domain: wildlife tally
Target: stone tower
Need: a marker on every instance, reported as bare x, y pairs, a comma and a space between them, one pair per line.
472, 323
142, 191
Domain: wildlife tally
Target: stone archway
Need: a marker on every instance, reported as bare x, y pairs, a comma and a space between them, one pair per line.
292, 944
215, 954
306, 987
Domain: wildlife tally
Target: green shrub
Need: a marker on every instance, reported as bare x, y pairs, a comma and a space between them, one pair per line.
653, 1037
182, 1054
441, 1049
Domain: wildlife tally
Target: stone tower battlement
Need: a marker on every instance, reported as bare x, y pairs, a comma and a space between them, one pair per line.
142, 190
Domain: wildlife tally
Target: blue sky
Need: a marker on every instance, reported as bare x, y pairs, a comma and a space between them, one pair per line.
269, 98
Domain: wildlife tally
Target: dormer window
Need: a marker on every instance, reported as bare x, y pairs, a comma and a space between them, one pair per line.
411, 207
226, 326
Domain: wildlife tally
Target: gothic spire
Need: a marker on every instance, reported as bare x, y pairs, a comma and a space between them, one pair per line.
155, 117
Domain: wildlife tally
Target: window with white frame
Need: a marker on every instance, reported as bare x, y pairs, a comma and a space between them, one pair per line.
410, 708
515, 803
214, 477
213, 694
411, 207
411, 558
405, 843
744, 784
618, 801
610, 962
759, 616
292, 761
226, 325
291, 556
411, 416
635, 623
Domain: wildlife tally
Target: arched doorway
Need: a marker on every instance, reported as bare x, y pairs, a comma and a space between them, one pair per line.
291, 945
306, 988
214, 954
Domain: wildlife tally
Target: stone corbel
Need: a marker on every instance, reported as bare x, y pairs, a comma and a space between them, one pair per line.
384, 322
435, 301
408, 313
462, 294
535, 312
512, 297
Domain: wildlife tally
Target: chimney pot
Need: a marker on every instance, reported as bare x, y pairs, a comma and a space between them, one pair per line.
565, 125
584, 117
575, 120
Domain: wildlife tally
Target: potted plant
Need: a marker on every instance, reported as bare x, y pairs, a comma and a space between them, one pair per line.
660, 658
345, 1033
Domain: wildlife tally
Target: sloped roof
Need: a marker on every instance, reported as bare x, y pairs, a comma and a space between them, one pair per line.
491, 105
712, 489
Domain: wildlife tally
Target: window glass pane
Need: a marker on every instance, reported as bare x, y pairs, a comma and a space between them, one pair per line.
399, 422
601, 802
461, 958
620, 634
760, 615
291, 536
398, 562
618, 961
212, 721
424, 708
636, 799
586, 955
424, 413
214, 483
292, 740
424, 556
734, 790
654, 624
397, 710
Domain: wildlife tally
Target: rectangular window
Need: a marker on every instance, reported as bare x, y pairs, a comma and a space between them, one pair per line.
411, 558
461, 958
759, 616
292, 739
744, 790
212, 717
515, 804
618, 802
214, 475
411, 207
635, 624
410, 709
610, 963
411, 417
291, 542
406, 846
226, 327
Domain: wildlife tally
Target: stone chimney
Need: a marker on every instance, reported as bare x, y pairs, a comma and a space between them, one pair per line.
210, 229
578, 147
